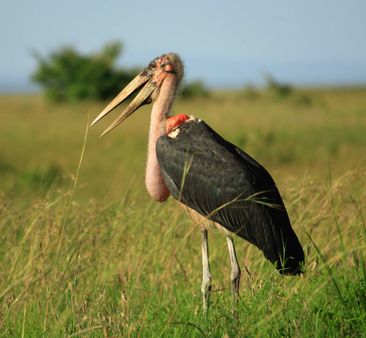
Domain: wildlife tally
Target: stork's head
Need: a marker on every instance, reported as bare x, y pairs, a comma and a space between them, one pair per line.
150, 81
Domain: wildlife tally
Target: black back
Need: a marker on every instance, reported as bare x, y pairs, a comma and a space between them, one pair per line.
226, 185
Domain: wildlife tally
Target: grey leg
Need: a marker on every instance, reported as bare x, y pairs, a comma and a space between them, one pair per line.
235, 269
206, 275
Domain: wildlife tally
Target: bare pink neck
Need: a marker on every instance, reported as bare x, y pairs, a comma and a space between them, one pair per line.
154, 181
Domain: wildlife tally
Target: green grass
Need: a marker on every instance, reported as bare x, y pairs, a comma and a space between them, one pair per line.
85, 252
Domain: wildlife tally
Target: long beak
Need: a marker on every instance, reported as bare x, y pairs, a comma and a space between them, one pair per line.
137, 102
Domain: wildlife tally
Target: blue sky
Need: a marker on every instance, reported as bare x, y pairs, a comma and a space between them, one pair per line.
225, 43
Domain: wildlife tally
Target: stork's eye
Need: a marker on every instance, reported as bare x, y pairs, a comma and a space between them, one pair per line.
168, 67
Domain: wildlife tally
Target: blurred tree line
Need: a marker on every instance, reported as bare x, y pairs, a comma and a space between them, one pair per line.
68, 75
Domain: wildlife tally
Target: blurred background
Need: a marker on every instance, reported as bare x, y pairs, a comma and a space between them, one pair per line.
271, 67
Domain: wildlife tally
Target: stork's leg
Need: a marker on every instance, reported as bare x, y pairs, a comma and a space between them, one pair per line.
235, 269
206, 275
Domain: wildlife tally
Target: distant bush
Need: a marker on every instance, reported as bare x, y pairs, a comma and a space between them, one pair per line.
42, 177
250, 92
69, 75
304, 100
280, 90
194, 89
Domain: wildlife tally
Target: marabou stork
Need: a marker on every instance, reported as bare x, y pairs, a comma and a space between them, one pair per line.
208, 175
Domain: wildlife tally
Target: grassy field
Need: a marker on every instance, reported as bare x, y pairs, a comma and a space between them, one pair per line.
84, 252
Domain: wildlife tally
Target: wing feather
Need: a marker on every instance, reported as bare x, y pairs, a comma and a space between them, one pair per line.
226, 185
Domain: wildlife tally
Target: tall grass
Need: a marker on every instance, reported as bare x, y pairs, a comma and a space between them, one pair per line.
125, 268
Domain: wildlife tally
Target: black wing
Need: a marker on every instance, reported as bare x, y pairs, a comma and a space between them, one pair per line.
226, 185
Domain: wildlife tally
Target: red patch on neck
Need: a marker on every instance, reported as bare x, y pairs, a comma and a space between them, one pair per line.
175, 121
